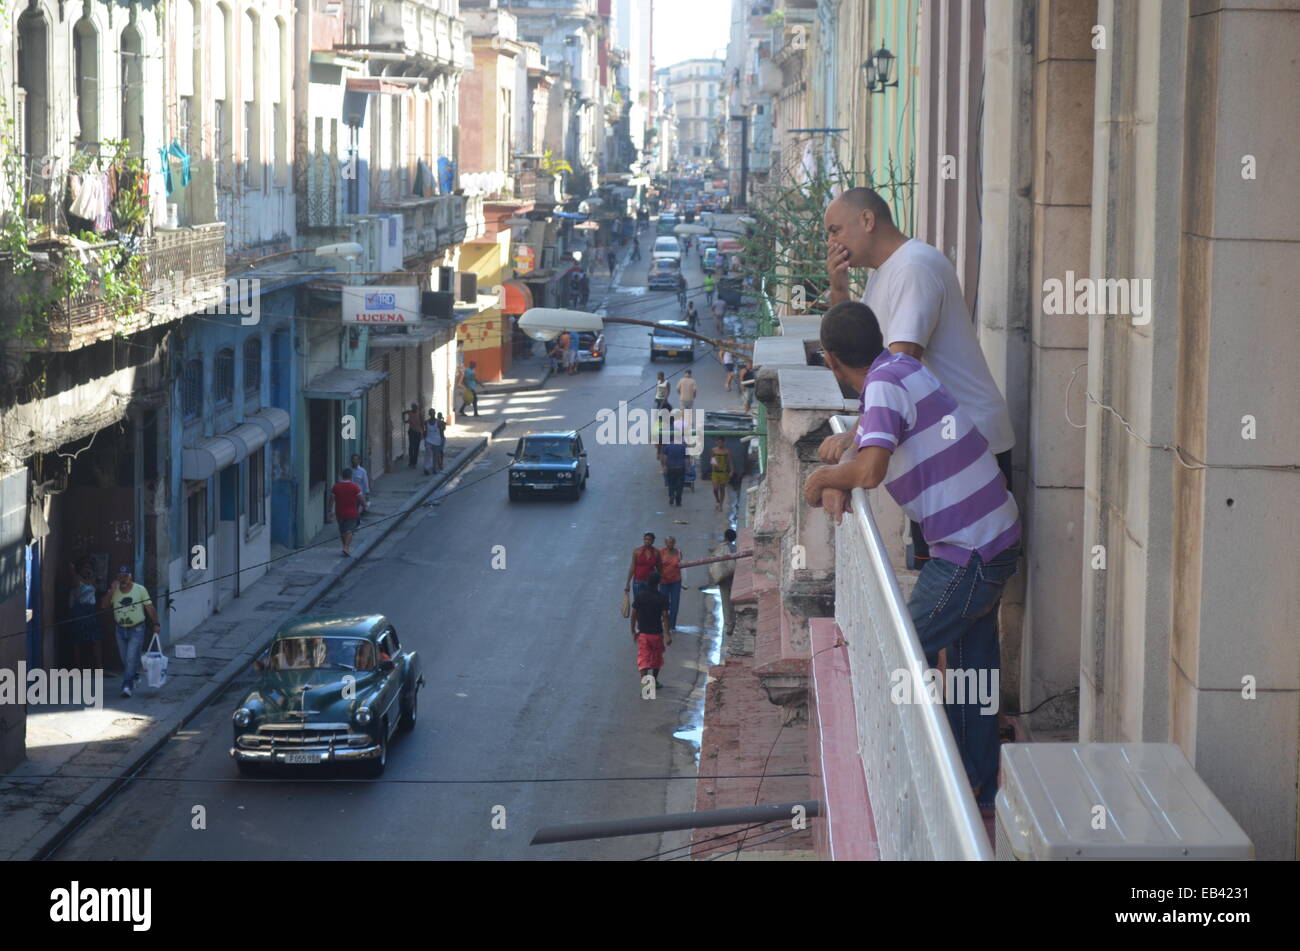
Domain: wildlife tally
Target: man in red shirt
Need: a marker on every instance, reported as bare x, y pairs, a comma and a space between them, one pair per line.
347, 508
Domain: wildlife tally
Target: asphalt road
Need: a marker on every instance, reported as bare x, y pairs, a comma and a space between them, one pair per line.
532, 711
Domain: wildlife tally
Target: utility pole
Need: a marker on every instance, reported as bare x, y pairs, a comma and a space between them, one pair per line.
744, 160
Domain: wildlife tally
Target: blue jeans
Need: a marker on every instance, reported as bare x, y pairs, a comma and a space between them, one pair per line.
637, 588
672, 590
954, 608
130, 643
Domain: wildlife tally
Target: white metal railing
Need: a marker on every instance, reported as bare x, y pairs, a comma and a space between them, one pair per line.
921, 799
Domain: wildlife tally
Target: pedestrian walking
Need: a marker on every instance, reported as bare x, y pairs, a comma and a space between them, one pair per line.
748, 382
720, 471
916, 298
687, 390
670, 576
649, 624
612, 260
719, 313
130, 603
362, 478
674, 462
709, 285
414, 434
347, 509
645, 561
83, 618
433, 445
692, 315
681, 291
571, 354
729, 364
468, 389
661, 391
636, 249
970, 519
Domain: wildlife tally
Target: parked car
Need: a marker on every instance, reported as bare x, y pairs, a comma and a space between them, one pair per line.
709, 263
551, 462
663, 274
666, 224
667, 341
331, 688
707, 241
591, 349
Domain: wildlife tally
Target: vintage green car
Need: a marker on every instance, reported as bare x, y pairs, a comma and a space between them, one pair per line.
332, 688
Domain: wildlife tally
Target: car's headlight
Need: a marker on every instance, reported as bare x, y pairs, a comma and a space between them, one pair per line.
516, 475
566, 475
363, 716
243, 717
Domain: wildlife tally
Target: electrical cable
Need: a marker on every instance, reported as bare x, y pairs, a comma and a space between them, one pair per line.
20, 781
687, 848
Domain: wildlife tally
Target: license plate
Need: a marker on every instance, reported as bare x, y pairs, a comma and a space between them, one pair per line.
672, 353
299, 759
543, 487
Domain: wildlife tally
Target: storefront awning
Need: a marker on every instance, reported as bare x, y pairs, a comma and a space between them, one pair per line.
200, 463
518, 298
343, 383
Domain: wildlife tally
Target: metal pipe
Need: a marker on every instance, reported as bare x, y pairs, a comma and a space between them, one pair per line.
709, 561
709, 818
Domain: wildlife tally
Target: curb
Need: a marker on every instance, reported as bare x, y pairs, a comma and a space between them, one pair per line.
45, 842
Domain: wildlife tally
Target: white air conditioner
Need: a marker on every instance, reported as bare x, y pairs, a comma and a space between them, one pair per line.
1085, 801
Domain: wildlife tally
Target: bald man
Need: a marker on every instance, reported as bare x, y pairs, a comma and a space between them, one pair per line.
914, 293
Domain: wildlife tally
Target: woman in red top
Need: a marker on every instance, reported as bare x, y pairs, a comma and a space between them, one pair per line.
670, 577
645, 562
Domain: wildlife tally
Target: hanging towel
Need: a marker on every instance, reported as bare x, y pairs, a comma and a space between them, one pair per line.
176, 151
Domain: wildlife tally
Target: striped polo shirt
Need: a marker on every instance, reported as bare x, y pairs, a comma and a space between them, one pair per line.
941, 472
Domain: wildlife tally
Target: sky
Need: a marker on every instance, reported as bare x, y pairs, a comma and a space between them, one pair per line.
690, 29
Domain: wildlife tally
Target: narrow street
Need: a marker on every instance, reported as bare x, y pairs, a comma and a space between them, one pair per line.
532, 700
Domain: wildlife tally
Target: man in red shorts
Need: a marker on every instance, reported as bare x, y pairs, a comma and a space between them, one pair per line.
347, 508
650, 628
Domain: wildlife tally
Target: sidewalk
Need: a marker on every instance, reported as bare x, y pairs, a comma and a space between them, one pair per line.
526, 373
77, 758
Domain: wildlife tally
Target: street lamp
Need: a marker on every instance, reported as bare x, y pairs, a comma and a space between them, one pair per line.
879, 69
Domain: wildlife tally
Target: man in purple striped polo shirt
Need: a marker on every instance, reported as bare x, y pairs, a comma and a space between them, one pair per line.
915, 439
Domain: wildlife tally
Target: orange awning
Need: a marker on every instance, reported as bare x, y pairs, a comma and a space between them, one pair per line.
518, 298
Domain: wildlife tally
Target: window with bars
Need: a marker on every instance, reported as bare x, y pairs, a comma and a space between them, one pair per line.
196, 518
252, 364
223, 376
257, 488
192, 390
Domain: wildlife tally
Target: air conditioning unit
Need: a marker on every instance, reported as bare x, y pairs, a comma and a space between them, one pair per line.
1087, 801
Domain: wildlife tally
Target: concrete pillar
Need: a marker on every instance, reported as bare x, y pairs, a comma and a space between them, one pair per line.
1194, 188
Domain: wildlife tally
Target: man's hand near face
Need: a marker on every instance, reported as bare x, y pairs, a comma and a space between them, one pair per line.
837, 266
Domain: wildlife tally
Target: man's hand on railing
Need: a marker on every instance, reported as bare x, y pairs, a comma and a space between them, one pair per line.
833, 447
836, 502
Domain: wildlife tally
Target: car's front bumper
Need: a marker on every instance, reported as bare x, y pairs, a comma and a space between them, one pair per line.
338, 754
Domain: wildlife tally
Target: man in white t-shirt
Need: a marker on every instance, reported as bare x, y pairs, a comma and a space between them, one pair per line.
915, 294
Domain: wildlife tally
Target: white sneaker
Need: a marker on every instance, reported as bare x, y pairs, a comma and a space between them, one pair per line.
126, 691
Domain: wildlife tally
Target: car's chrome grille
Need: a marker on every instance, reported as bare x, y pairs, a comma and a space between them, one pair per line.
282, 736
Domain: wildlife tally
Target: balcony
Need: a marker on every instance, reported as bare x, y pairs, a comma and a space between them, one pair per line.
183, 271
420, 30
431, 225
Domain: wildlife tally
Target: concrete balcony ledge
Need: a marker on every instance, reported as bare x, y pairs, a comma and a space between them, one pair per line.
800, 327
780, 352
846, 831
